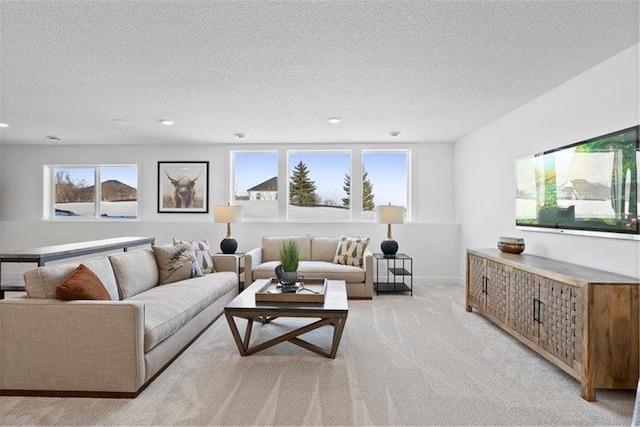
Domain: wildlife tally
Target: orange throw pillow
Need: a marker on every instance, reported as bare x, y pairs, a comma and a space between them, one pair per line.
82, 284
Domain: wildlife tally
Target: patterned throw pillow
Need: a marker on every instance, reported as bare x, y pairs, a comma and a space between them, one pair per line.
82, 284
176, 263
203, 253
350, 251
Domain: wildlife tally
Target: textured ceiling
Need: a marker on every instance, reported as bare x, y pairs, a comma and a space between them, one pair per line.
278, 70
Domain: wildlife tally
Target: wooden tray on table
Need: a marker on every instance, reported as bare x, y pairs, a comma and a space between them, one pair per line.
309, 291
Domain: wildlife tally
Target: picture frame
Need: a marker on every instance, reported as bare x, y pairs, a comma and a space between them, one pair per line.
183, 187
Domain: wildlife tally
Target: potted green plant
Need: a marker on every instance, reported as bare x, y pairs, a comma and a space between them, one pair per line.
289, 257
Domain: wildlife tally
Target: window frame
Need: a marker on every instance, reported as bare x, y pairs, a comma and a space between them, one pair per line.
232, 181
409, 186
289, 152
356, 155
49, 211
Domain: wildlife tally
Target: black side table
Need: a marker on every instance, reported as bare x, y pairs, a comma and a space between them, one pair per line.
391, 272
238, 255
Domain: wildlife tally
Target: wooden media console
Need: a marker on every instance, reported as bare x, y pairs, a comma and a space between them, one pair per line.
583, 320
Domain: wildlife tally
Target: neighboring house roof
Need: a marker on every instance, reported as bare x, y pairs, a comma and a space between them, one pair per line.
268, 185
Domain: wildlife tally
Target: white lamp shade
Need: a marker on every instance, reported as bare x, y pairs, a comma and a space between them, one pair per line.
390, 214
228, 214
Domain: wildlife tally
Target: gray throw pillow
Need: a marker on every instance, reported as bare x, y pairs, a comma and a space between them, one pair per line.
203, 253
176, 263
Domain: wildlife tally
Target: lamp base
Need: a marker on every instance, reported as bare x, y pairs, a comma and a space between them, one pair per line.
389, 247
228, 246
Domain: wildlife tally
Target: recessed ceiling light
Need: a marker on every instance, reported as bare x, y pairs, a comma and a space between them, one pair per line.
120, 121
334, 120
240, 135
167, 122
394, 134
53, 138
4, 125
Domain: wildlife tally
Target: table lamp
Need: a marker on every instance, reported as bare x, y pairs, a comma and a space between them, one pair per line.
389, 214
228, 214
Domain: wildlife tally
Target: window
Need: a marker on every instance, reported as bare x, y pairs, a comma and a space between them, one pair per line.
385, 180
75, 194
255, 183
316, 185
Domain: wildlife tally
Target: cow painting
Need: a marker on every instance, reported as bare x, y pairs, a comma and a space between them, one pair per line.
183, 187
184, 193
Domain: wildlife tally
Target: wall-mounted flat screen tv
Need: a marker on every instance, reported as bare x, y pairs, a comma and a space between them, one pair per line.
590, 185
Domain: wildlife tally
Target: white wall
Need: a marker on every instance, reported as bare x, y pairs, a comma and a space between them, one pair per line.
601, 100
432, 237
598, 101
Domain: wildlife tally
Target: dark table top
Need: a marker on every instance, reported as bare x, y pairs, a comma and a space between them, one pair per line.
335, 300
69, 250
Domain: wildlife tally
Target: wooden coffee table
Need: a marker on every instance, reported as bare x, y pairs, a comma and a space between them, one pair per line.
332, 312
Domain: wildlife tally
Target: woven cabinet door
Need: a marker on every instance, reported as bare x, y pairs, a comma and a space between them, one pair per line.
524, 292
497, 290
476, 281
561, 320
578, 316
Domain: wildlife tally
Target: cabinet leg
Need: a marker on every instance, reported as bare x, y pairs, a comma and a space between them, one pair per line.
468, 308
588, 393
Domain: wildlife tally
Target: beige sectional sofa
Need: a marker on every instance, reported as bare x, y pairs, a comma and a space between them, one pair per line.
106, 348
317, 255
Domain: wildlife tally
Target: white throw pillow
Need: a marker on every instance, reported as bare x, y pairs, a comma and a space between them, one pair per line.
202, 253
350, 251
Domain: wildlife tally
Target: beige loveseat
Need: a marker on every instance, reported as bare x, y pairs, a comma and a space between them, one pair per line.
106, 348
317, 255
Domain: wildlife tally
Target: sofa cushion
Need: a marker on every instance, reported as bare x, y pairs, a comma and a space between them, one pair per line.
82, 284
328, 270
41, 282
351, 251
167, 308
266, 270
135, 271
271, 246
203, 253
314, 269
176, 263
324, 248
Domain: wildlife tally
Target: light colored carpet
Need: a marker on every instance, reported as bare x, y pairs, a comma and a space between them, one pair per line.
403, 360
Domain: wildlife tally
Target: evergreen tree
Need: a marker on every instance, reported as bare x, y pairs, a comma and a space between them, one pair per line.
302, 190
367, 191
346, 201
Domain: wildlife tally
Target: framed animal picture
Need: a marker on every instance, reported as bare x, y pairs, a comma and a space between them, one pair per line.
183, 187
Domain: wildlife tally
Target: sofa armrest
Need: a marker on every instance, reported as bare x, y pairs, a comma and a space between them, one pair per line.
226, 262
71, 346
367, 264
252, 259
